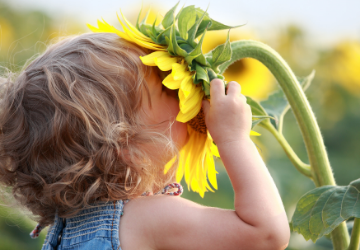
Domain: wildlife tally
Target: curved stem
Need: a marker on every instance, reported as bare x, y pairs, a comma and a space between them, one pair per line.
281, 120
355, 235
299, 165
319, 162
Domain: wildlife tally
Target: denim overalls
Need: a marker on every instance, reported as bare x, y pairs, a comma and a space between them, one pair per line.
95, 228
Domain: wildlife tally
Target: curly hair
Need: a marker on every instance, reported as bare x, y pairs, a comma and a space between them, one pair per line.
70, 129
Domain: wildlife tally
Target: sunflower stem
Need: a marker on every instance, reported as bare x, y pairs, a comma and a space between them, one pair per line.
320, 166
355, 235
302, 167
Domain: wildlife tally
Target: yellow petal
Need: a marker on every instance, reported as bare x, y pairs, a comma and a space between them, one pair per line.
185, 117
214, 150
193, 100
186, 87
201, 193
170, 83
165, 62
92, 28
139, 40
254, 133
104, 26
179, 71
191, 154
149, 59
135, 31
211, 170
197, 164
130, 34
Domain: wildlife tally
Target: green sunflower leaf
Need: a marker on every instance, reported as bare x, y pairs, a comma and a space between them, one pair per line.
161, 37
204, 21
195, 81
138, 25
194, 29
197, 54
214, 25
256, 108
219, 26
202, 27
206, 88
187, 19
257, 119
145, 29
151, 31
201, 73
138, 18
150, 34
186, 47
154, 31
190, 57
258, 112
169, 17
277, 105
170, 47
221, 54
175, 46
201, 58
322, 209
212, 74
192, 67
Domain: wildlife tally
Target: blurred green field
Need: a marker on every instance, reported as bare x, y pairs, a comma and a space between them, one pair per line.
334, 96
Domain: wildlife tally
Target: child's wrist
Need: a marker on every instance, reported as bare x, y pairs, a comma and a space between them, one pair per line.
243, 140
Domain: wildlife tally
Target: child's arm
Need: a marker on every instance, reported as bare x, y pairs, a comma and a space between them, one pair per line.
259, 220
229, 121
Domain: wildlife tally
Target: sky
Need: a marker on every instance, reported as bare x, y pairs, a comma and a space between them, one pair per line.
325, 21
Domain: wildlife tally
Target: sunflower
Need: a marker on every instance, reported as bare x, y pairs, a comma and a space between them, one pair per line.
175, 48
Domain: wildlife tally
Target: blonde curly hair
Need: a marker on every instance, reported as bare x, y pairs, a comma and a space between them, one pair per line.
71, 133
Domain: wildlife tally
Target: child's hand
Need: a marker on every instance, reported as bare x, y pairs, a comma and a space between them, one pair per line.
227, 116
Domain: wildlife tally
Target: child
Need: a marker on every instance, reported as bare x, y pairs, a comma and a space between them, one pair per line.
86, 127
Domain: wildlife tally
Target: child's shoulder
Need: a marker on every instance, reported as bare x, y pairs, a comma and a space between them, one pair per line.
168, 222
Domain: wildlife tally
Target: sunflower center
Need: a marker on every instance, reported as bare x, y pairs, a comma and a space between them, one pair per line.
198, 122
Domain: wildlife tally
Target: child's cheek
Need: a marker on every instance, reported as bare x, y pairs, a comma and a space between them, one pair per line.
179, 134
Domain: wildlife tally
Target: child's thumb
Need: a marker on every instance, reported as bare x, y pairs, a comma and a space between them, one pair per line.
205, 106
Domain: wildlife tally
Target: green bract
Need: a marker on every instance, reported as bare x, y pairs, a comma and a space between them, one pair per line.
180, 34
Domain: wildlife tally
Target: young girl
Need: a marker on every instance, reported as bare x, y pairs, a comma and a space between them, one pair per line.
86, 130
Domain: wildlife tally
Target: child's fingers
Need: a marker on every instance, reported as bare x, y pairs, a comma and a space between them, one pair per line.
233, 89
217, 89
206, 106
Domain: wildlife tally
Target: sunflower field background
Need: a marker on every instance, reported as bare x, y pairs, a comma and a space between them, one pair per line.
334, 96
